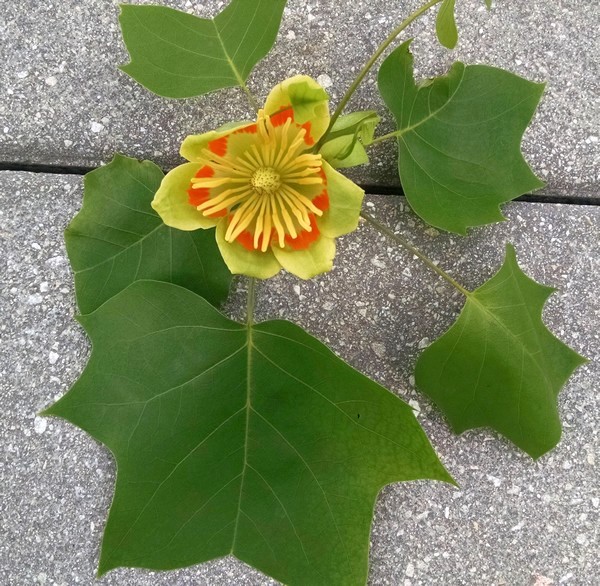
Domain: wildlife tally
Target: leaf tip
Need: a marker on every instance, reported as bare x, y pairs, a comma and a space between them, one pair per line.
536, 452
52, 410
452, 481
105, 565
101, 571
580, 359
405, 46
447, 477
126, 68
450, 44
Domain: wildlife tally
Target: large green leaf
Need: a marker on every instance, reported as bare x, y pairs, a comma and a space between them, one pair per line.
253, 441
445, 25
118, 238
178, 55
498, 365
459, 139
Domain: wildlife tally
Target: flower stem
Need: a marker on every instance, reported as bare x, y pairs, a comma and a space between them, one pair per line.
251, 302
406, 244
369, 64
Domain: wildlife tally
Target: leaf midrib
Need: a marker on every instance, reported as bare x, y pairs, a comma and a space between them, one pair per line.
248, 407
488, 312
238, 76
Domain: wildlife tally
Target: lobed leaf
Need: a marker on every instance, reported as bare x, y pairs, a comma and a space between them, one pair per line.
499, 366
117, 238
178, 55
252, 441
459, 139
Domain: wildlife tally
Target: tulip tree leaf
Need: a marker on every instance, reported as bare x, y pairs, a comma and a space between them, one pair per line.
253, 441
499, 366
118, 238
344, 145
459, 139
445, 25
178, 55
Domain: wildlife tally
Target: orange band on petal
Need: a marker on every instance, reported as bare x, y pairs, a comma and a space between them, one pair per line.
246, 240
206, 171
322, 201
308, 139
305, 238
198, 196
219, 146
282, 116
251, 129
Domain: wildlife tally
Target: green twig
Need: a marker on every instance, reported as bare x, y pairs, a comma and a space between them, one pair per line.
369, 64
406, 244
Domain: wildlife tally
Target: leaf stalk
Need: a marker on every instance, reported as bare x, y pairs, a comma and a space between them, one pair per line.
383, 137
251, 302
408, 246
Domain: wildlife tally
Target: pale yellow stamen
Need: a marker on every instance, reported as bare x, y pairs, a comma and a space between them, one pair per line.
303, 199
241, 219
300, 213
267, 228
213, 209
260, 221
219, 198
267, 186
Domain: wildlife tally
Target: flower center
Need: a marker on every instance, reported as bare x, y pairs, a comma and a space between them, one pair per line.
265, 180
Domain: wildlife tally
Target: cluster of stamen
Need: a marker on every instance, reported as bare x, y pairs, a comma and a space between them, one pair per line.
268, 190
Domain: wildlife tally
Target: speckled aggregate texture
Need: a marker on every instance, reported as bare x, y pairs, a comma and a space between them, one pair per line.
513, 521
63, 101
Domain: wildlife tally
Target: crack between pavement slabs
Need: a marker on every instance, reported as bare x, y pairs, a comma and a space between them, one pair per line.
370, 189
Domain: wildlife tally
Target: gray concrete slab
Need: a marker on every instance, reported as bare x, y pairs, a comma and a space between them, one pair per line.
63, 101
513, 522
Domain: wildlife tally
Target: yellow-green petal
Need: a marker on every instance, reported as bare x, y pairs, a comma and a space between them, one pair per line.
307, 263
171, 200
308, 99
241, 261
193, 145
345, 202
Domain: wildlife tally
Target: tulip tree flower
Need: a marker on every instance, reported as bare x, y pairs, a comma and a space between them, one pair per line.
274, 201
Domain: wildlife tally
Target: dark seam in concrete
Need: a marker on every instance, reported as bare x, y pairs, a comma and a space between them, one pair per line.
48, 169
529, 198
369, 189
